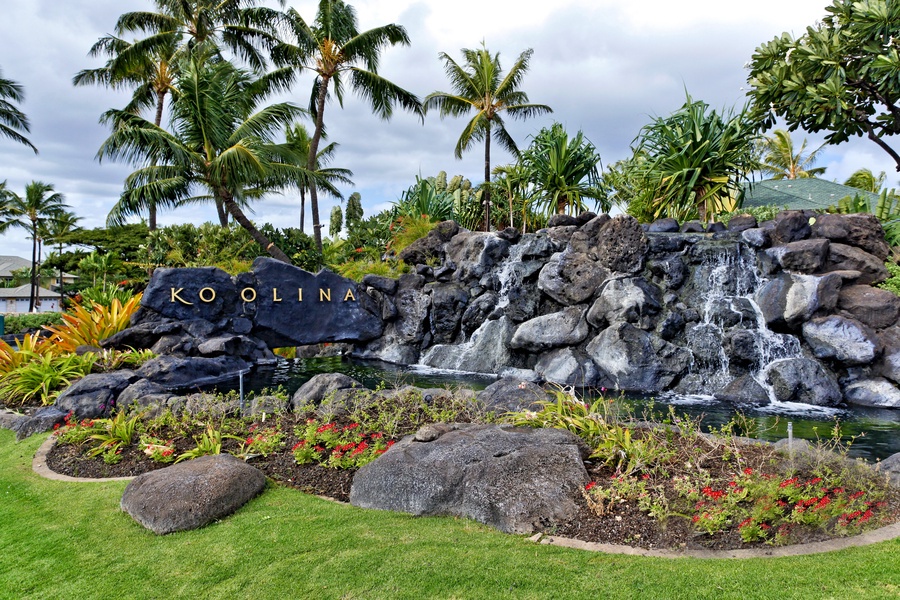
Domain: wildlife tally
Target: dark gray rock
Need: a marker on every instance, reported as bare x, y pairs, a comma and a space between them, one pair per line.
385, 285
571, 277
192, 494
803, 380
412, 314
889, 364
693, 227
756, 237
11, 420
634, 360
891, 468
175, 293
790, 226
804, 256
565, 328
666, 225
876, 392
477, 312
862, 230
845, 340
875, 307
618, 244
630, 299
95, 395
174, 373
742, 223
744, 392
43, 419
448, 301
668, 272
809, 295
143, 394
486, 351
562, 221
475, 254
742, 347
847, 258
333, 308
514, 479
320, 386
143, 335
235, 345
430, 247
566, 366
511, 395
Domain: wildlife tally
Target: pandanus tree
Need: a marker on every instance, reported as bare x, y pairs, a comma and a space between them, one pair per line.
480, 86
31, 212
220, 148
338, 54
12, 120
563, 171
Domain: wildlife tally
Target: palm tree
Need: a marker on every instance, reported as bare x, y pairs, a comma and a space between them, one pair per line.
780, 161
12, 120
334, 49
222, 144
480, 85
298, 140
55, 232
40, 204
865, 179
563, 171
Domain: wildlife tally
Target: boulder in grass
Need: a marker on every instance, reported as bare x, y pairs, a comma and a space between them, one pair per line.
192, 494
512, 478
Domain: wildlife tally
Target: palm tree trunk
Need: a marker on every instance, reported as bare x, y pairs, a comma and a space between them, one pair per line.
239, 216
160, 103
33, 266
222, 212
311, 160
486, 196
302, 207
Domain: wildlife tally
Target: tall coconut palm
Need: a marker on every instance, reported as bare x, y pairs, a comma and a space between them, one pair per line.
781, 162
299, 140
12, 120
480, 86
39, 205
865, 179
564, 171
334, 49
54, 231
221, 145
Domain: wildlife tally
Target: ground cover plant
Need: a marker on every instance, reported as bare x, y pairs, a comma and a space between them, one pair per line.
654, 486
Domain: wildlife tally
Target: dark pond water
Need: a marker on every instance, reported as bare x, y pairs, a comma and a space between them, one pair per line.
872, 434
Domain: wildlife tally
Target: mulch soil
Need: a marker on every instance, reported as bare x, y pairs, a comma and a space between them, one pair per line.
621, 523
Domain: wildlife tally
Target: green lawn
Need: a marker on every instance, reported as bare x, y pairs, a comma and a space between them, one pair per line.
70, 540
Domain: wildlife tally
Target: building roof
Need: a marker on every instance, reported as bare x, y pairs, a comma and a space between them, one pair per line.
23, 292
8, 264
800, 194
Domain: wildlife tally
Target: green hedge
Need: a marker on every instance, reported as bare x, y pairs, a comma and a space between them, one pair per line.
20, 323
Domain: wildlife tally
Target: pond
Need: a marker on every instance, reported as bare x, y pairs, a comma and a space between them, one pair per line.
872, 434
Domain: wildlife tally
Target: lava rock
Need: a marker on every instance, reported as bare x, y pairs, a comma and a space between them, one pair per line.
876, 392
565, 328
803, 380
841, 339
511, 395
846, 258
566, 366
875, 307
321, 386
634, 360
744, 392
571, 277
95, 395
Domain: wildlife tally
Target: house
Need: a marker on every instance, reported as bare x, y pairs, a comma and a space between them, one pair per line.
16, 300
801, 194
8, 264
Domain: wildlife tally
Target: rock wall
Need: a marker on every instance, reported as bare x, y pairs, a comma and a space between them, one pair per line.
783, 311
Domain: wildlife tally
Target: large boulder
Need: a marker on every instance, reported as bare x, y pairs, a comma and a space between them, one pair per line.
321, 386
790, 226
803, 380
95, 395
510, 394
804, 256
633, 360
862, 230
448, 301
515, 479
743, 392
618, 244
876, 392
475, 254
430, 247
848, 258
192, 494
43, 419
566, 366
629, 299
565, 328
841, 339
875, 307
571, 277
487, 351
178, 373
176, 293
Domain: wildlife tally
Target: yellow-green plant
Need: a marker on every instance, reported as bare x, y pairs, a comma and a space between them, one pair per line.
88, 326
209, 442
42, 376
118, 432
591, 421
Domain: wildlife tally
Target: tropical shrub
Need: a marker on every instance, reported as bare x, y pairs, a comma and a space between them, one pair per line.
331, 445
42, 376
88, 326
23, 322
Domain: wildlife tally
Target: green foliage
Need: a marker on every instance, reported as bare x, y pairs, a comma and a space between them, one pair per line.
161, 451
330, 445
105, 295
408, 229
591, 421
296, 244
892, 283
336, 222
42, 377
359, 268
628, 453
696, 161
840, 76
262, 441
87, 326
209, 442
22, 322
563, 171
354, 209
116, 433
763, 213
779, 160
74, 432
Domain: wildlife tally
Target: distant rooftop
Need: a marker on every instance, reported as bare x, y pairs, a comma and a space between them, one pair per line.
8, 264
24, 292
800, 194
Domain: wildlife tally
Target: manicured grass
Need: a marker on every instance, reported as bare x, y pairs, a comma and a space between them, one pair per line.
70, 540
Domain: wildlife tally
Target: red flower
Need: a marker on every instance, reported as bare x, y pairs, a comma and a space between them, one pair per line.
748, 471
745, 522
788, 482
590, 486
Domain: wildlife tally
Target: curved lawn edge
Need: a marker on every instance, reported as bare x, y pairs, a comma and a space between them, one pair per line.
883, 534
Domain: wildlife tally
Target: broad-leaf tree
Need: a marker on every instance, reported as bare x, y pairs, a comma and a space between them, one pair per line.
841, 76
40, 204
696, 160
13, 121
563, 171
480, 86
338, 54
221, 146
780, 161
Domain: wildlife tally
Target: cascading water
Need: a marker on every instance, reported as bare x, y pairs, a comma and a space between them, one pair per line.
729, 305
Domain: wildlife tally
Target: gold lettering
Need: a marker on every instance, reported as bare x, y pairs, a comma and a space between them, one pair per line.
248, 295
275, 297
175, 296
324, 295
299, 294
212, 295
349, 295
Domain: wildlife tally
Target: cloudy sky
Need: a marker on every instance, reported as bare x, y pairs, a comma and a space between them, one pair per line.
605, 67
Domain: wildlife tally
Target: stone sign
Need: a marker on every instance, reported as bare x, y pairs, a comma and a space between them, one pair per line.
278, 303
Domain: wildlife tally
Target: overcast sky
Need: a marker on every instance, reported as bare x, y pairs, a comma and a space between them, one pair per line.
604, 66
